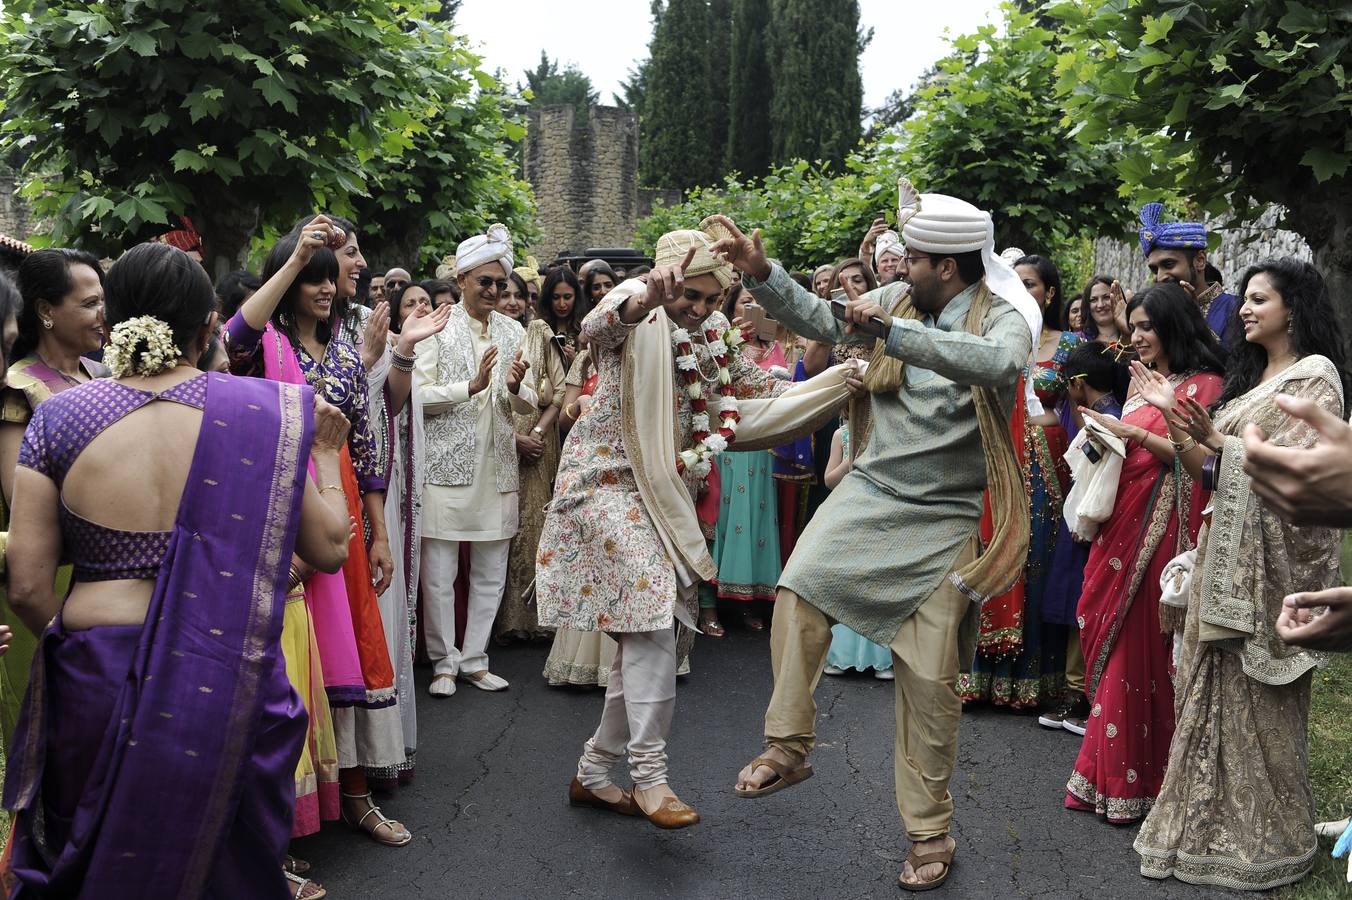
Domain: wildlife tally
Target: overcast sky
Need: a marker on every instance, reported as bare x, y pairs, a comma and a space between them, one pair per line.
605, 38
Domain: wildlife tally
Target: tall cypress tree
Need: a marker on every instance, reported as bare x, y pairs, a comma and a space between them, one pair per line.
814, 65
676, 123
720, 51
750, 89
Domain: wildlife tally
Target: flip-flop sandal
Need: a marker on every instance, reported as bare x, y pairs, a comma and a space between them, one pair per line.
295, 866
305, 888
785, 777
919, 860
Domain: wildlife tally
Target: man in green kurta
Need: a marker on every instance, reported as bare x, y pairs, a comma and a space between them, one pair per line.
893, 553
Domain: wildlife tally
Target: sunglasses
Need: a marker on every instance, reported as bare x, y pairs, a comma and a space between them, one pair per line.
485, 282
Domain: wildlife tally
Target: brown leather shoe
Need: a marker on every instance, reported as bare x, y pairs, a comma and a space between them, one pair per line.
581, 796
673, 813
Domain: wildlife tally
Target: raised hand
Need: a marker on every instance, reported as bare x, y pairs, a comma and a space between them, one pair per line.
666, 282
418, 328
1193, 418
859, 311
484, 376
1153, 387
1305, 486
747, 254
517, 371
375, 335
871, 239
331, 427
318, 232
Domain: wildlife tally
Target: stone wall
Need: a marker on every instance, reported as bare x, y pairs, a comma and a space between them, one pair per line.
15, 220
1240, 248
585, 177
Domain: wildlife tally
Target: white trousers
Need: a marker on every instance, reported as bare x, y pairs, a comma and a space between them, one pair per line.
640, 701
487, 575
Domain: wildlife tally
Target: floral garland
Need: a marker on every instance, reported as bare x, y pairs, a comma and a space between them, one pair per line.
141, 346
722, 344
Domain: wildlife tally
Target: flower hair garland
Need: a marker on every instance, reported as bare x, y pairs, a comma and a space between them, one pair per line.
721, 344
141, 346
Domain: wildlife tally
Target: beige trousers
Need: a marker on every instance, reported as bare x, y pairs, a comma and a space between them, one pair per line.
1074, 662
928, 709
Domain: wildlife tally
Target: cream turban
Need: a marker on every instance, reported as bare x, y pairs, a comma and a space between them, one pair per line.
887, 242
940, 224
530, 272
672, 247
495, 246
446, 271
1012, 255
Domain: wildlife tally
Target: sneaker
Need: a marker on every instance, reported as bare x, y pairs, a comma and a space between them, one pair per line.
833, 670
485, 680
1077, 718
1056, 718
442, 686
884, 674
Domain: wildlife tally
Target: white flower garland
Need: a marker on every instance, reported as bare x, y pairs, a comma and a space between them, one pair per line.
141, 346
699, 458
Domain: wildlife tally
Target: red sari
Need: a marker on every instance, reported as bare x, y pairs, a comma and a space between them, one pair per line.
1126, 746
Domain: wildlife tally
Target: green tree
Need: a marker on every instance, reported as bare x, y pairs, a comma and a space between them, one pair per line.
817, 103
455, 178
133, 112
749, 89
1235, 105
987, 127
675, 149
632, 89
551, 85
720, 61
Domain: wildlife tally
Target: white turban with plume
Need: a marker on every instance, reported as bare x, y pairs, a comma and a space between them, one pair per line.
887, 242
940, 224
1011, 255
495, 246
672, 247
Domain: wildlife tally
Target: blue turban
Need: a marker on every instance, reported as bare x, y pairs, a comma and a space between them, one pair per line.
1170, 235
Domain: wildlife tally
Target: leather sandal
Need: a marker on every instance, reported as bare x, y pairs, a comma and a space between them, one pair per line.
360, 824
919, 860
305, 888
785, 776
295, 866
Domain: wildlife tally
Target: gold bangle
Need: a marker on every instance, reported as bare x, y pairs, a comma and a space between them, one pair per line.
330, 487
1181, 447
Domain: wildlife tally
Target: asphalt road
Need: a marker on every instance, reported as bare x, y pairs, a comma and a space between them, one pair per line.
490, 819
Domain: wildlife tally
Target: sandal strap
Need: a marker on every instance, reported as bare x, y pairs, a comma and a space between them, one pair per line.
773, 765
944, 857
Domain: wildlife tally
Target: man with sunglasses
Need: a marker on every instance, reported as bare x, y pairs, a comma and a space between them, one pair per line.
470, 379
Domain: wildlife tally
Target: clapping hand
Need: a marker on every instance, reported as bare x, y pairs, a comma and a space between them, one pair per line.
1153, 387
1305, 486
484, 376
376, 333
747, 254
1192, 417
517, 371
1298, 623
418, 328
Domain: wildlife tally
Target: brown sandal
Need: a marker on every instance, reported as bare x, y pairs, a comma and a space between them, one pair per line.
919, 860
786, 776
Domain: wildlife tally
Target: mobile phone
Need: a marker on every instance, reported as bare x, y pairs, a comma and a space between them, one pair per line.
765, 325
874, 327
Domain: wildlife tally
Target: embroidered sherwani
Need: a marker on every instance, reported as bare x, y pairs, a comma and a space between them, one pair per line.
601, 565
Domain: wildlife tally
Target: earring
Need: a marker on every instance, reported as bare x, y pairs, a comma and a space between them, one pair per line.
47, 323
1290, 326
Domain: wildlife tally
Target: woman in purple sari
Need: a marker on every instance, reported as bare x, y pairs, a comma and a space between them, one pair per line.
155, 753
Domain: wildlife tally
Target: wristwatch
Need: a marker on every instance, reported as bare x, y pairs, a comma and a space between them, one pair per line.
538, 431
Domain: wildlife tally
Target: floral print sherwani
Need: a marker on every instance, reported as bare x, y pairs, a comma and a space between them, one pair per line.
601, 565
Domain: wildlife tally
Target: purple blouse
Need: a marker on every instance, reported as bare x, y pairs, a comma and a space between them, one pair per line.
339, 378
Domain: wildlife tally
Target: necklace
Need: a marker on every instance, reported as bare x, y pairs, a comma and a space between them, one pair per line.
721, 346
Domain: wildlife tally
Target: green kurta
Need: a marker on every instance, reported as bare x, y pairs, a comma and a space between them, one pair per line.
891, 531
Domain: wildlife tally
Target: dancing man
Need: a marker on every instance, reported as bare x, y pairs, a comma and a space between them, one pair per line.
943, 379
621, 550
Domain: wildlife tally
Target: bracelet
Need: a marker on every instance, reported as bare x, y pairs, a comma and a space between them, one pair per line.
294, 580
401, 362
1181, 447
331, 487
1209, 472
571, 410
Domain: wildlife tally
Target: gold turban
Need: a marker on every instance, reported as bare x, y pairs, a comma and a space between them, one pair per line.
672, 247
530, 272
446, 271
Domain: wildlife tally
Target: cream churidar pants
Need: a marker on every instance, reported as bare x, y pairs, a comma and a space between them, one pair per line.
928, 709
640, 701
487, 575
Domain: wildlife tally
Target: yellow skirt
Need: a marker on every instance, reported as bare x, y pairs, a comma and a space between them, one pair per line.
317, 771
